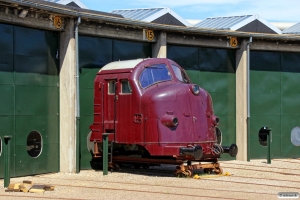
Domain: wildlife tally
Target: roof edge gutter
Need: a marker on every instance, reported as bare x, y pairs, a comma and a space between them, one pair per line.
83, 13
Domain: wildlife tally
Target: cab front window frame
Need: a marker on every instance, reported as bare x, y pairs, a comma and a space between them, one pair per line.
180, 74
154, 74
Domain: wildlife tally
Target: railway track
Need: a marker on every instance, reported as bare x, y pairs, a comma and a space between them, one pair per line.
182, 188
266, 165
239, 185
260, 170
297, 161
34, 197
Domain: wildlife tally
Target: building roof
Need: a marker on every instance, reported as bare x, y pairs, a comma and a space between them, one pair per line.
76, 3
295, 29
155, 15
246, 23
118, 19
283, 25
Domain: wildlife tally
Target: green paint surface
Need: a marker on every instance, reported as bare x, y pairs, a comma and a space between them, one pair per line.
94, 53
274, 78
29, 87
213, 70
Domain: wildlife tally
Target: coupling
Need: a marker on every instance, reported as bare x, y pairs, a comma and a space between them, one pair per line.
232, 150
195, 151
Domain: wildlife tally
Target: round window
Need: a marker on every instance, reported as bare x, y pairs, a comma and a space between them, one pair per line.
295, 136
34, 144
0, 146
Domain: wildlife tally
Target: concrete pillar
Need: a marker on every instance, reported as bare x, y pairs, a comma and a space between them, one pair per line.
159, 49
241, 101
67, 99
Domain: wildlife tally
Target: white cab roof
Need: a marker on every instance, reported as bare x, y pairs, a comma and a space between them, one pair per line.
128, 64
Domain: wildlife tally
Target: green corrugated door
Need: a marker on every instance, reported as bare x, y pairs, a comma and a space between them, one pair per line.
214, 70
274, 91
290, 102
6, 88
33, 94
94, 53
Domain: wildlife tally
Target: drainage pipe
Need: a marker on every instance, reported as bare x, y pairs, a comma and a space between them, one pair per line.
77, 97
248, 99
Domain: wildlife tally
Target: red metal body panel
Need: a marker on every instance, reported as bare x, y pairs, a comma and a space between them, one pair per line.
144, 116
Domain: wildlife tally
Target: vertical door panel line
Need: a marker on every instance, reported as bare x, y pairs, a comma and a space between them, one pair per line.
145, 120
115, 109
158, 131
102, 108
280, 71
14, 86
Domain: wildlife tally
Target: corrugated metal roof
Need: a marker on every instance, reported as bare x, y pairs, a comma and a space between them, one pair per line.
223, 23
149, 14
295, 29
54, 1
234, 23
96, 15
137, 14
66, 2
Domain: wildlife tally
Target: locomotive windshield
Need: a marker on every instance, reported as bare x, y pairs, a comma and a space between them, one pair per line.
180, 74
153, 74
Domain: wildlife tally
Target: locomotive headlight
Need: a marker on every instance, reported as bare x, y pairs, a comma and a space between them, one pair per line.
195, 89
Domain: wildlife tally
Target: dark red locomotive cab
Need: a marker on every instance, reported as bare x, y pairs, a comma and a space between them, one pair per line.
152, 110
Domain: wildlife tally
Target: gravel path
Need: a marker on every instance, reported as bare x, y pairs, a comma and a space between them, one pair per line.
248, 180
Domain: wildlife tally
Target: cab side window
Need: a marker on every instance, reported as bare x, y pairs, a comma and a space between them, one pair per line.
111, 87
126, 88
154, 74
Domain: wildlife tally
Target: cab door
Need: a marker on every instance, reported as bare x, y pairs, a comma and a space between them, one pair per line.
110, 107
130, 120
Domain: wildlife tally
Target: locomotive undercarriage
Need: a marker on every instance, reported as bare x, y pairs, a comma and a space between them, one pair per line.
138, 156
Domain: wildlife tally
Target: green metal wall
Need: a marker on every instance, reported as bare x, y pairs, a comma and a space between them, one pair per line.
94, 53
274, 101
29, 97
214, 70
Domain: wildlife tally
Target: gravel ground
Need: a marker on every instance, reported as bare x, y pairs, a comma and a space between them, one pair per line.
247, 180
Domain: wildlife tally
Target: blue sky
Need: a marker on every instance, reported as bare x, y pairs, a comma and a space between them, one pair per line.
272, 11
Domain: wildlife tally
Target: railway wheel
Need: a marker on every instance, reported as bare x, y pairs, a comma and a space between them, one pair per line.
218, 170
137, 165
184, 174
181, 174
207, 171
145, 166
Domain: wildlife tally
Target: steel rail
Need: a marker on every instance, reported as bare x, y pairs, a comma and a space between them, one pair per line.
169, 193
267, 166
36, 197
284, 173
134, 190
272, 179
166, 186
290, 161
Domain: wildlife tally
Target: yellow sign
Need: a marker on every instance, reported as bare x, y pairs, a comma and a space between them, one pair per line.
57, 22
150, 35
233, 42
